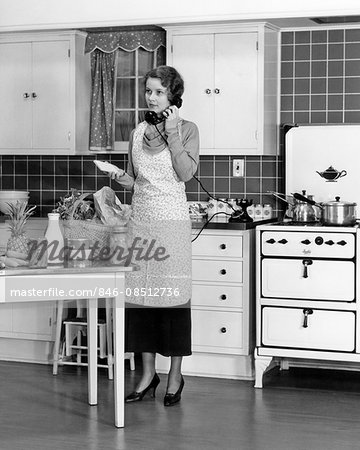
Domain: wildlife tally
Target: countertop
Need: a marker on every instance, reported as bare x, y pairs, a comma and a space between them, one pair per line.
223, 224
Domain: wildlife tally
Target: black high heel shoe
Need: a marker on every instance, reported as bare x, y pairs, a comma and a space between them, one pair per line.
138, 396
172, 399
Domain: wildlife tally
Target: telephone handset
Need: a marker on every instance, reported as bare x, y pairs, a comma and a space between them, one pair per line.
153, 119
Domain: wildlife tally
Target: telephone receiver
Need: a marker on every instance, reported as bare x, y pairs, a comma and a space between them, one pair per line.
153, 119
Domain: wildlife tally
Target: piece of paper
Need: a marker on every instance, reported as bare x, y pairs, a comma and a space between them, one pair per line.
105, 166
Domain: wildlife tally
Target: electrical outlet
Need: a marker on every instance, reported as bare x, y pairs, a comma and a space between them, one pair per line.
238, 168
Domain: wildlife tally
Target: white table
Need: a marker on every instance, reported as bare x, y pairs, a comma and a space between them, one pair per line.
58, 283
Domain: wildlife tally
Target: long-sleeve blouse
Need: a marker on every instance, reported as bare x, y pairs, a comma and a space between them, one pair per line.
184, 153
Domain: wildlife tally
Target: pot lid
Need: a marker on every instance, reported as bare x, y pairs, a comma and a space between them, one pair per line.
337, 202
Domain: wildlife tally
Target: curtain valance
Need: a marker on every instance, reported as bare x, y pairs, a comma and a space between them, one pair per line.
128, 40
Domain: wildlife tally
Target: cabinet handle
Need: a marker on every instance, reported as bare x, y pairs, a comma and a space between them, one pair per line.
223, 330
306, 312
223, 297
222, 246
217, 91
26, 95
223, 271
33, 94
208, 91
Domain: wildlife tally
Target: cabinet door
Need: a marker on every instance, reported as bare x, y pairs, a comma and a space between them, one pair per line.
51, 90
235, 90
15, 95
193, 56
26, 321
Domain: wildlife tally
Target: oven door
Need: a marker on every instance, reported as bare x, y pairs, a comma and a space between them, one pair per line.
308, 279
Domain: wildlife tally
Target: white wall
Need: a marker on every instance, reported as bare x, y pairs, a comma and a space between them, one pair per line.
54, 14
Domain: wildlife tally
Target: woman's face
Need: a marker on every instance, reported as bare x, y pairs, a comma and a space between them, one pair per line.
156, 95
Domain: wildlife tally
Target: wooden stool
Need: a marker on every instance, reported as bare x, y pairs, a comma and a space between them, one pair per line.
74, 329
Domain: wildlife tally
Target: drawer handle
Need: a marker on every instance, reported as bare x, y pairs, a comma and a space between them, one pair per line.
223, 297
223, 271
306, 312
223, 246
223, 330
306, 263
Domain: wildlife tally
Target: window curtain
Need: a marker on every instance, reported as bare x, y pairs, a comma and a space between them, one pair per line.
103, 46
102, 110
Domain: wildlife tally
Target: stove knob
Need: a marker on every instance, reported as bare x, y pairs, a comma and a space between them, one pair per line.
329, 242
319, 240
283, 241
271, 241
306, 242
342, 243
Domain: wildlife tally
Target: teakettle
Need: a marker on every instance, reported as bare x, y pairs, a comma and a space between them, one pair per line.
331, 174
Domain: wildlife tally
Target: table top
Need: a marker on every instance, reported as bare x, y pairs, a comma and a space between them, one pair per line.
60, 270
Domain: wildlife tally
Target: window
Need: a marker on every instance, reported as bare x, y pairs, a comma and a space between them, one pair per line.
130, 105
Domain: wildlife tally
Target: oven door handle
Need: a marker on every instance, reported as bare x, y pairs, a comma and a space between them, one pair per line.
306, 263
306, 312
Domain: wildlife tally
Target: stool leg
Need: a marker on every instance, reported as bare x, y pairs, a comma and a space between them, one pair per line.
132, 362
109, 340
59, 314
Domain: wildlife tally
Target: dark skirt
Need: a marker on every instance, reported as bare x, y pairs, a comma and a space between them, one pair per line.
166, 331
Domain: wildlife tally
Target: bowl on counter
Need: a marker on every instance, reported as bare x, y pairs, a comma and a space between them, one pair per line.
198, 210
12, 197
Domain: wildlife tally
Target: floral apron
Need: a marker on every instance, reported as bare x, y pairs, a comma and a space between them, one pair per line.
160, 220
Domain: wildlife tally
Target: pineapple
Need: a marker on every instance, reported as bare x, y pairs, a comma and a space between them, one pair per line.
19, 213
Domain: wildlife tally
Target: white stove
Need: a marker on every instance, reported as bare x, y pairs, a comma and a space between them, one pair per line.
307, 305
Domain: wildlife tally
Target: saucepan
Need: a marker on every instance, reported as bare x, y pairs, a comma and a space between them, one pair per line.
333, 213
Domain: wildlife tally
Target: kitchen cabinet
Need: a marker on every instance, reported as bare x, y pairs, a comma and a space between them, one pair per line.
222, 307
45, 90
26, 329
231, 85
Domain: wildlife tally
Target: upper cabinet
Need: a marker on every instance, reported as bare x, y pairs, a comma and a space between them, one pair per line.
231, 85
45, 87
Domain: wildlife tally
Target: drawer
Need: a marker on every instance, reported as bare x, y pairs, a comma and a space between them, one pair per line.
218, 296
326, 330
326, 280
218, 246
217, 271
217, 329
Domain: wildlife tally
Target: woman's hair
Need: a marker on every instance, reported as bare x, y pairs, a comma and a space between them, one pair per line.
170, 78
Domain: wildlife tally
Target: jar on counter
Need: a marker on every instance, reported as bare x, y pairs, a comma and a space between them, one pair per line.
212, 207
117, 244
221, 205
258, 212
267, 211
251, 211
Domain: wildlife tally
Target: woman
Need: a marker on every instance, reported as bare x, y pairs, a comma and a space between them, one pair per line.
162, 157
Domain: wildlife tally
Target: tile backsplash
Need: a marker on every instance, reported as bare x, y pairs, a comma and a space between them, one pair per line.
320, 83
48, 178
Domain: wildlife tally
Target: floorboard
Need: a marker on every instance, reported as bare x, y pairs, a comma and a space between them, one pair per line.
296, 410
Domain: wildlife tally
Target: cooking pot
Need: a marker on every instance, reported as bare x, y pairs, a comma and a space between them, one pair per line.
338, 213
335, 213
303, 210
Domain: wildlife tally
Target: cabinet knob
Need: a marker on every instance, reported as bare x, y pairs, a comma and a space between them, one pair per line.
26, 95
33, 94
223, 297
217, 91
223, 330
208, 91
223, 271
223, 246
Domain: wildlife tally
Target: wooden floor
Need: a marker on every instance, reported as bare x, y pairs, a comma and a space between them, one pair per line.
300, 409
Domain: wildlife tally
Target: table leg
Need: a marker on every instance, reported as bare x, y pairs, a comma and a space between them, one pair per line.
92, 350
119, 327
59, 314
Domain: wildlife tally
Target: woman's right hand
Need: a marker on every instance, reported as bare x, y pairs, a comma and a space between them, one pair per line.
116, 174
